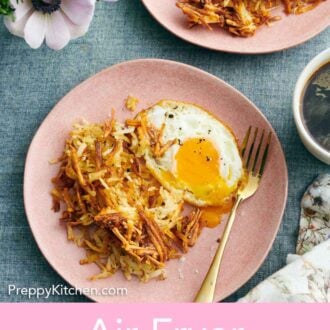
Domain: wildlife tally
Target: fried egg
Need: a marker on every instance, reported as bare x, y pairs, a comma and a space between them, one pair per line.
201, 158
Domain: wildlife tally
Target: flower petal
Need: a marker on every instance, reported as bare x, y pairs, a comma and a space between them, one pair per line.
21, 8
17, 27
57, 34
80, 12
35, 29
76, 31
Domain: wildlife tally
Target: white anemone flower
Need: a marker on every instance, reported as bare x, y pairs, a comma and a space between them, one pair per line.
56, 21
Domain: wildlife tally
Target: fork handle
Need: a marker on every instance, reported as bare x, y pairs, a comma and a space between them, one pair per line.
206, 292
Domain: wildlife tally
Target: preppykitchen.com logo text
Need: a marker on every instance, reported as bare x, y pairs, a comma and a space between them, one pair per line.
63, 290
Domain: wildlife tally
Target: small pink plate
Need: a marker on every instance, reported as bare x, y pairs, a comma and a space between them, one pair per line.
290, 31
151, 80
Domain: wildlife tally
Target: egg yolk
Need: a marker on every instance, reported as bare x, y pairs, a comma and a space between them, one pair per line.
197, 162
198, 170
211, 215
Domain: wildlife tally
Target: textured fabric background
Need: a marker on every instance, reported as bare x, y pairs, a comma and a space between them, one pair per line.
32, 81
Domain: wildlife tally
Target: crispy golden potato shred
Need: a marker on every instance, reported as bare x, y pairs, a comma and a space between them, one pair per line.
131, 103
240, 17
114, 208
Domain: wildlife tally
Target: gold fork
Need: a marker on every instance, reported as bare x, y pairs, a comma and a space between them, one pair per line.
254, 164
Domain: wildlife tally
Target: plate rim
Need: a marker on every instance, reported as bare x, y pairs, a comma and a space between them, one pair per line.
162, 61
233, 51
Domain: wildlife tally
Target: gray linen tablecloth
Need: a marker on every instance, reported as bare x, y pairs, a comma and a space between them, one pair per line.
32, 81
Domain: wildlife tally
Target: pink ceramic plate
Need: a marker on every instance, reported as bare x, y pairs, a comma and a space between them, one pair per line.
151, 80
292, 30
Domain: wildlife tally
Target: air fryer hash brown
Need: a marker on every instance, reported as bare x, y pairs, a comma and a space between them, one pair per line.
240, 17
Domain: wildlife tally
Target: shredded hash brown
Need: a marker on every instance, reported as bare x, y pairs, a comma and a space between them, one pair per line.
240, 17
114, 208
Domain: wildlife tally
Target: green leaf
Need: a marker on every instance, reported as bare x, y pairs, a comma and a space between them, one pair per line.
5, 8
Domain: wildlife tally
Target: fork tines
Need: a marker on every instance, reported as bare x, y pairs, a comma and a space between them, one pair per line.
254, 153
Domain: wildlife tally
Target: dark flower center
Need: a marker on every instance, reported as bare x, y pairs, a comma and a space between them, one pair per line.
46, 6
